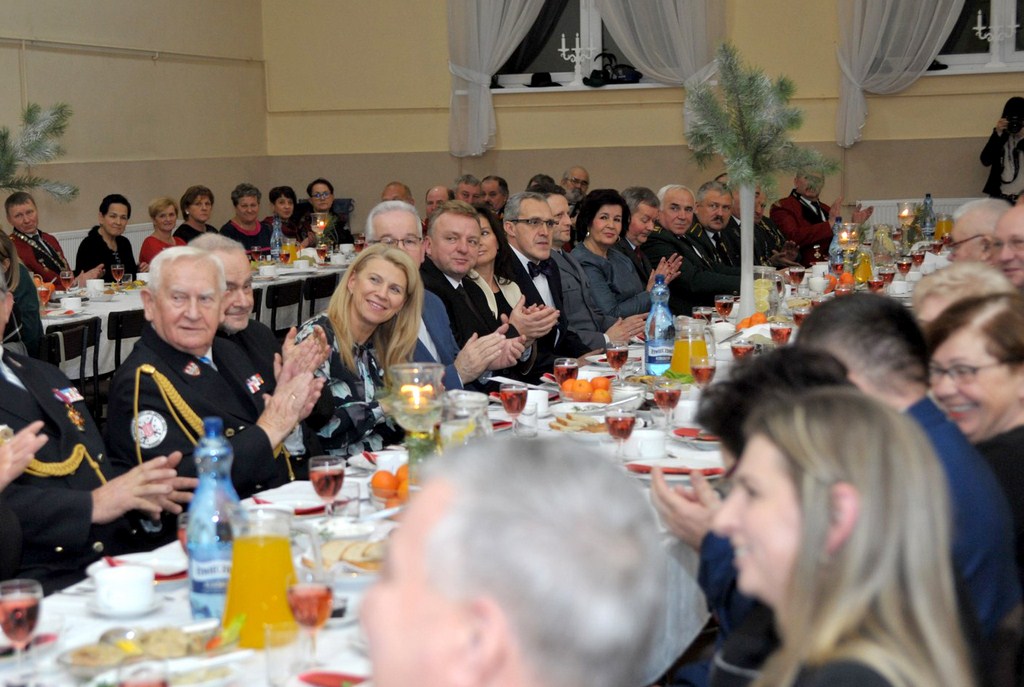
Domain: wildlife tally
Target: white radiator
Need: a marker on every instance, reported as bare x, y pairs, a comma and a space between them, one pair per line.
70, 240
886, 211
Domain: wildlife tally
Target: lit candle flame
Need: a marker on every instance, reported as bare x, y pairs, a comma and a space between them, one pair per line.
415, 395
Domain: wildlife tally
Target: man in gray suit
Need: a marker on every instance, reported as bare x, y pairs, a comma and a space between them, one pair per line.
594, 327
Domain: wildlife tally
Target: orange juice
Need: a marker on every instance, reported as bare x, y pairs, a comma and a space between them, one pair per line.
260, 568
943, 226
683, 351
292, 250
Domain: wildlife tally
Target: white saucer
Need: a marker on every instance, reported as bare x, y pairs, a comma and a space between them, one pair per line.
106, 613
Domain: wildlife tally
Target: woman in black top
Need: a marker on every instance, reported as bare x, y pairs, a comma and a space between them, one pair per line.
105, 243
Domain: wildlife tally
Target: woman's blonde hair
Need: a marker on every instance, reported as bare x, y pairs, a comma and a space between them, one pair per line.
9, 252
158, 205
962, 280
395, 340
885, 597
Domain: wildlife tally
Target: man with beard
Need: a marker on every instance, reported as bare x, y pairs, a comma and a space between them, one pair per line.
806, 221
576, 182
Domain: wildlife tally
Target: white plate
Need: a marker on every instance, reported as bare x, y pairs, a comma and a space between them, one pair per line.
696, 462
342, 528
292, 504
262, 278
108, 613
565, 407
167, 560
227, 674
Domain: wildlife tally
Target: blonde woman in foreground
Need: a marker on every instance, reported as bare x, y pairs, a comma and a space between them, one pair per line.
842, 528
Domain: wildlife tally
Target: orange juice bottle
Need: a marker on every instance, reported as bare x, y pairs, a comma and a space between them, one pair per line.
260, 569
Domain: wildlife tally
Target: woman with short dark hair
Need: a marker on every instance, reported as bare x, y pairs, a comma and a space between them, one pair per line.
245, 226
106, 244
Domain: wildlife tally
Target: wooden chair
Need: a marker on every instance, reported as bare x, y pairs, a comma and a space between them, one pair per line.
282, 296
316, 288
69, 340
257, 303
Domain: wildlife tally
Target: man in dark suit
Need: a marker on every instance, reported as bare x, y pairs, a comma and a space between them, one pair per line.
73, 504
397, 224
643, 211
714, 209
180, 372
529, 224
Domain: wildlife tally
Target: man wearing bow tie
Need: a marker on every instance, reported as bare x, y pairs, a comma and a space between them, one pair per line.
806, 221
529, 224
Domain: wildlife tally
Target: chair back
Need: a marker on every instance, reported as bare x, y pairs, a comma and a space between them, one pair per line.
317, 288
280, 296
125, 324
69, 340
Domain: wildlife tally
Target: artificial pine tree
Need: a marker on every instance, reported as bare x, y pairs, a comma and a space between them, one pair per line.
38, 142
746, 121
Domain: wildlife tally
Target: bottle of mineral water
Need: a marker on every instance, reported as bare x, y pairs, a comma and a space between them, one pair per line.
659, 331
276, 239
927, 218
209, 536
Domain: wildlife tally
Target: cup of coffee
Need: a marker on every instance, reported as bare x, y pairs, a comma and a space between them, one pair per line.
646, 444
71, 303
817, 284
94, 286
124, 589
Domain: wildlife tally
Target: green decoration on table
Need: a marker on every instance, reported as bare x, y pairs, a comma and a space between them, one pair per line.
37, 143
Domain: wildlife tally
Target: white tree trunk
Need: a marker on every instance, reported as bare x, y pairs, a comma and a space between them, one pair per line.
746, 305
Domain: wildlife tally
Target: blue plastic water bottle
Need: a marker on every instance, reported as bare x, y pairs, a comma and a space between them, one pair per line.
659, 331
209, 533
276, 239
928, 218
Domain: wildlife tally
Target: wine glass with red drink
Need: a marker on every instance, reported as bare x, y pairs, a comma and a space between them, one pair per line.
617, 353
702, 367
904, 265
741, 349
19, 613
887, 273
327, 473
565, 368
321, 252
117, 273
666, 397
620, 425
724, 305
44, 295
310, 598
513, 400
67, 278
781, 332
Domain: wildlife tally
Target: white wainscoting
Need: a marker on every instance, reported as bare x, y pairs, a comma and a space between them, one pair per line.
886, 210
69, 240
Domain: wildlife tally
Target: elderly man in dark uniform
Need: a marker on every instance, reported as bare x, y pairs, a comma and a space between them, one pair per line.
180, 372
73, 504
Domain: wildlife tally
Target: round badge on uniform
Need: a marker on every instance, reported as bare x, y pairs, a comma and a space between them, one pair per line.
150, 429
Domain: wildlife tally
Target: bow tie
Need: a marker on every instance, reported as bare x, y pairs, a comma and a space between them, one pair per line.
545, 267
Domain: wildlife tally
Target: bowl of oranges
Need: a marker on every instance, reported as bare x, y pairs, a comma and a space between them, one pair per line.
390, 489
594, 390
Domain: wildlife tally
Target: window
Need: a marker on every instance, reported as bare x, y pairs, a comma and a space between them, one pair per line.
1000, 47
539, 51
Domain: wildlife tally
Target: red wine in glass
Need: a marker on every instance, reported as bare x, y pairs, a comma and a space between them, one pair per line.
724, 307
799, 315
795, 275
620, 427
702, 374
327, 481
617, 357
117, 273
321, 252
565, 369
903, 265
67, 278
359, 243
311, 603
513, 400
19, 614
917, 257
936, 247
666, 399
781, 333
875, 284
741, 349
887, 274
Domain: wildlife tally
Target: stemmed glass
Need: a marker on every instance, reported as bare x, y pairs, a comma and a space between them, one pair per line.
44, 295
666, 397
617, 353
19, 613
702, 368
620, 426
67, 278
310, 597
724, 304
327, 473
513, 400
117, 272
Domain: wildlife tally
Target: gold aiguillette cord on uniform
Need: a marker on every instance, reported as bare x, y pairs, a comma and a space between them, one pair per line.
38, 468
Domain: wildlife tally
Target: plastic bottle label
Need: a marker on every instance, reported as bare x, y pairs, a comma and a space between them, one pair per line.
209, 569
658, 356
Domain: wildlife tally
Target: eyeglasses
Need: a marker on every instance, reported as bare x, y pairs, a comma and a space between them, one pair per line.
322, 194
956, 244
958, 374
1015, 244
579, 182
407, 242
535, 222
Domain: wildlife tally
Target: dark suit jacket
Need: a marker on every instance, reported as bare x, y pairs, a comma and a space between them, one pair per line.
799, 224
727, 254
585, 318
700, 278
435, 318
55, 512
643, 265
466, 319
561, 340
233, 391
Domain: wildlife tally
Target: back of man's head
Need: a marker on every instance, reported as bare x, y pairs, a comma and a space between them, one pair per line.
565, 545
877, 339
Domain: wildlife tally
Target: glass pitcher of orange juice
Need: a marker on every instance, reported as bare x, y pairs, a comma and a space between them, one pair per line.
693, 338
260, 568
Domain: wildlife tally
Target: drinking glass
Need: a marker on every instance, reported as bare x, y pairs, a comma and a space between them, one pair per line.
741, 349
565, 368
44, 295
800, 314
19, 613
666, 397
513, 400
359, 242
327, 473
903, 265
703, 369
620, 426
117, 273
183, 530
310, 597
67, 278
617, 353
321, 252
724, 305
887, 273
781, 331
795, 275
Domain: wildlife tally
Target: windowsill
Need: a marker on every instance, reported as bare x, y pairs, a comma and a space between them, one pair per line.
976, 69
568, 88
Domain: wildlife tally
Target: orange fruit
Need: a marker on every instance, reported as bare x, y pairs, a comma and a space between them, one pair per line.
582, 390
758, 318
601, 383
403, 490
402, 473
832, 281
601, 396
567, 386
744, 323
383, 484
846, 278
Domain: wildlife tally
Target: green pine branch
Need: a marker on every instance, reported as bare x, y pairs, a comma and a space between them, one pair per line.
38, 142
746, 122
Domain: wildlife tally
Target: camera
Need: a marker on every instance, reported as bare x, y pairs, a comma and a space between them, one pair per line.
1014, 124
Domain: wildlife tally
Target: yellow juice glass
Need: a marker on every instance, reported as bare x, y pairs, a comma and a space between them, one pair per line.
260, 569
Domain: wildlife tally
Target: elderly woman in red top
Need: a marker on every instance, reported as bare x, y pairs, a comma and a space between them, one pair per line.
164, 213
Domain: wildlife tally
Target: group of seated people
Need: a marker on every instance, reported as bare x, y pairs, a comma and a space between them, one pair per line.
873, 531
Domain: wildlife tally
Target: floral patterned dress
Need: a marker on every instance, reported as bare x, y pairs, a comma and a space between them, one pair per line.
359, 423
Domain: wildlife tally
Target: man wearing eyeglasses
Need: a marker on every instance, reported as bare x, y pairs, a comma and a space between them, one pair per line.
1008, 245
396, 224
973, 225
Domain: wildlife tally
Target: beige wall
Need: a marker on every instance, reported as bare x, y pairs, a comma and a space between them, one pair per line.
281, 91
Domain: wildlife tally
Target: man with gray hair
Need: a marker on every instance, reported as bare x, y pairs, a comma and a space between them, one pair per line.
508, 571
495, 191
180, 372
396, 224
974, 224
468, 189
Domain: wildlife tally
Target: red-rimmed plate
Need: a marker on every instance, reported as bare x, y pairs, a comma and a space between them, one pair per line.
645, 469
298, 506
324, 678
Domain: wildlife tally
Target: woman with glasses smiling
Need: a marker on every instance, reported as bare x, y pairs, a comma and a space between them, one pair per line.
977, 376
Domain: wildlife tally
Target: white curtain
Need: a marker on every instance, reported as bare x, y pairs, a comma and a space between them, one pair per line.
482, 34
671, 41
885, 45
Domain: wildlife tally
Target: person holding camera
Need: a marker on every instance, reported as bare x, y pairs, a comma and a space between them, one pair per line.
1003, 153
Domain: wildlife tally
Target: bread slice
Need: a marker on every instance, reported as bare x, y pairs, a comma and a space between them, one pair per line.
362, 554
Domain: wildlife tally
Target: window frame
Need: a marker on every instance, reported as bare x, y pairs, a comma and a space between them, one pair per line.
1002, 57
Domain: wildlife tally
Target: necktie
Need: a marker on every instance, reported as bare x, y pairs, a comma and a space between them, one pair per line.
206, 360
545, 267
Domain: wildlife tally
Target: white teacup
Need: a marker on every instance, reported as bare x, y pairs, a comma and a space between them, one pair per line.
347, 249
817, 284
915, 276
819, 269
647, 444
268, 270
71, 303
540, 399
686, 410
124, 590
899, 288
94, 285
